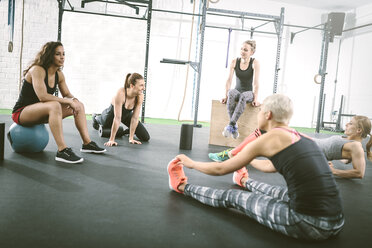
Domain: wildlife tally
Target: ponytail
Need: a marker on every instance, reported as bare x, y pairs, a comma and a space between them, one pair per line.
365, 124
126, 83
368, 146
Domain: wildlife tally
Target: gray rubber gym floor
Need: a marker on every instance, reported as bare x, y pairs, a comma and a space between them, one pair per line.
122, 199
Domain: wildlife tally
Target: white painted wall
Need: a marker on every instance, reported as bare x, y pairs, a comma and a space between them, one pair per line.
355, 75
101, 50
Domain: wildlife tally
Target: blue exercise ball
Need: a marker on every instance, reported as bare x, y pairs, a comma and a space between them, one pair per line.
28, 139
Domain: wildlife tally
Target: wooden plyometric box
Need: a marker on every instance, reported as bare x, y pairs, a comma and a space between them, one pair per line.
247, 123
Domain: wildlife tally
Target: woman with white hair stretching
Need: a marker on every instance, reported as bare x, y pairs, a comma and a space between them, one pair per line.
308, 208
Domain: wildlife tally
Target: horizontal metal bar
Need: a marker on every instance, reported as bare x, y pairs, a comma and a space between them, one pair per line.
126, 2
90, 1
239, 29
297, 26
361, 26
240, 13
111, 2
137, 1
242, 17
102, 14
174, 61
175, 12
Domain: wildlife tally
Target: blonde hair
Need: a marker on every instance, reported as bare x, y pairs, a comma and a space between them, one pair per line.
280, 106
252, 43
365, 124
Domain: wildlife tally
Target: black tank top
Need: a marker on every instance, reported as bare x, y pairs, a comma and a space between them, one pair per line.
244, 78
28, 96
125, 111
311, 186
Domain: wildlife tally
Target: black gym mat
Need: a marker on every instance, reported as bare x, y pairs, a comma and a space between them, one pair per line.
122, 199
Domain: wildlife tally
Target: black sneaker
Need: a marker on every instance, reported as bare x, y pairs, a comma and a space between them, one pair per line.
92, 147
95, 122
68, 156
126, 132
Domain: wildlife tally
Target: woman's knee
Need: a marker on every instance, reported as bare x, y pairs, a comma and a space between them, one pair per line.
54, 107
232, 93
144, 137
142, 133
81, 105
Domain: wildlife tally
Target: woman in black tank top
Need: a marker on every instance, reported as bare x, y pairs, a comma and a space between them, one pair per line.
309, 207
247, 70
37, 104
125, 107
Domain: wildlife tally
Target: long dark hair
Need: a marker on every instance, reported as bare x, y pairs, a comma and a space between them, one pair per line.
45, 56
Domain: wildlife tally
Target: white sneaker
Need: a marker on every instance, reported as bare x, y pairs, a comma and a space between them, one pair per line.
227, 131
235, 133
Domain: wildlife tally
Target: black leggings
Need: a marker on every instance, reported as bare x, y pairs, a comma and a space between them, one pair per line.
107, 117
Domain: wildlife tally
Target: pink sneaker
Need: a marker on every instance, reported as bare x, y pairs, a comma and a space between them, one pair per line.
239, 174
176, 175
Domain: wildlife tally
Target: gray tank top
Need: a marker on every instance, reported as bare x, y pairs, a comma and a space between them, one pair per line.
332, 146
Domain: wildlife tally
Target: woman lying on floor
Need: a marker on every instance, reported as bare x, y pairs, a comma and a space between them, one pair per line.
310, 208
348, 149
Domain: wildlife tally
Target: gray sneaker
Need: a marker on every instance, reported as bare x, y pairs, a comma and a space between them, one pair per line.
68, 156
227, 131
235, 133
92, 147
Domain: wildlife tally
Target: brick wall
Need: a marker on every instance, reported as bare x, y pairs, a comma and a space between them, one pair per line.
40, 26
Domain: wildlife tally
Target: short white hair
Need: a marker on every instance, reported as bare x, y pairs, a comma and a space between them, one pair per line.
280, 106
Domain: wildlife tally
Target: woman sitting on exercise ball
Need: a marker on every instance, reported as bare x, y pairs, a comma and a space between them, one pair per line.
125, 107
37, 104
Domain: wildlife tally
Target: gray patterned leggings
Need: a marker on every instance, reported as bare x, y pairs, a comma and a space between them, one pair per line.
269, 206
236, 103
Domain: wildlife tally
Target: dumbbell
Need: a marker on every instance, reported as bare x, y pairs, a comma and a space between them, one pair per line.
106, 132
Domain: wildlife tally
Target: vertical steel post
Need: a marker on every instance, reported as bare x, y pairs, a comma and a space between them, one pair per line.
204, 14
322, 72
61, 4
279, 30
149, 16
2, 138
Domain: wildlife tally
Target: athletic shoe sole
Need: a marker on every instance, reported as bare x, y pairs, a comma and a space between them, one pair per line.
216, 160
235, 136
226, 134
169, 183
69, 161
234, 179
93, 151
